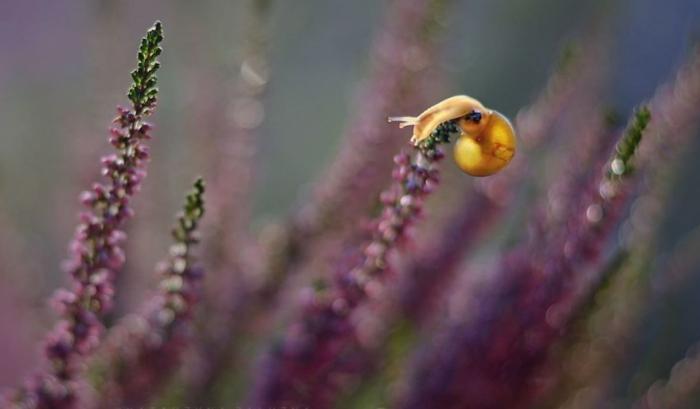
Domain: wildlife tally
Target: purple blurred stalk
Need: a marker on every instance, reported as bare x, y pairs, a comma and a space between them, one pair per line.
604, 347
404, 41
676, 119
604, 331
96, 255
618, 315
585, 376
230, 255
428, 270
313, 362
143, 351
473, 354
400, 56
574, 86
487, 360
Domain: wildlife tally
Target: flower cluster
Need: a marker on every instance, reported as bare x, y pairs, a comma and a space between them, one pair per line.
312, 363
349, 187
96, 253
406, 38
143, 350
522, 289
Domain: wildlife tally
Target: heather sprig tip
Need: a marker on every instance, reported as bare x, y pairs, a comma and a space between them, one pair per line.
143, 91
628, 144
191, 214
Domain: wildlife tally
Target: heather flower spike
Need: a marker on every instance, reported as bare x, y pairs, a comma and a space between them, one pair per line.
191, 214
433, 265
534, 288
96, 252
460, 367
144, 349
409, 32
305, 370
487, 141
143, 91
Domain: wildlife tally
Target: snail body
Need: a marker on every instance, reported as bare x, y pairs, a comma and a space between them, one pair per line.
487, 139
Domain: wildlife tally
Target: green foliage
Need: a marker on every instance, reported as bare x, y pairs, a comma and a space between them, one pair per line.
192, 212
627, 146
143, 92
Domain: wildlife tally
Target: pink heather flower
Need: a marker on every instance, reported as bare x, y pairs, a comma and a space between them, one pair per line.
95, 253
143, 350
311, 364
360, 170
357, 174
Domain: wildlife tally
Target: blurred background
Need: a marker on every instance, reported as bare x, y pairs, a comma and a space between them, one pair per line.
65, 65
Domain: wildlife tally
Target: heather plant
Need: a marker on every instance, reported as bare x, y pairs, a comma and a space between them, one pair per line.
142, 350
445, 374
396, 280
96, 255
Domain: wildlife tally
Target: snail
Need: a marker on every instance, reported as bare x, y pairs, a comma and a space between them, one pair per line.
487, 140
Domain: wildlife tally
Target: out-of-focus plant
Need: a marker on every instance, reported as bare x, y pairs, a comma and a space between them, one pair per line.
142, 350
230, 251
432, 266
538, 278
348, 188
603, 339
392, 308
309, 364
